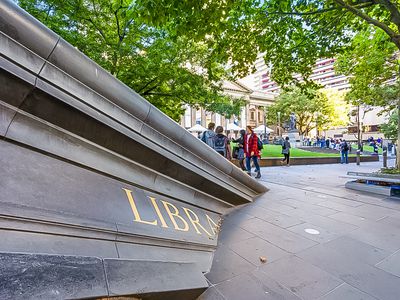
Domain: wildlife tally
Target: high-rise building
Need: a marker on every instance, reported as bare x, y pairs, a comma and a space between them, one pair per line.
323, 73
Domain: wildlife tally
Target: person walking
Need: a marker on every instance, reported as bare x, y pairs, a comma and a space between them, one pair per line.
208, 135
251, 151
344, 151
240, 145
286, 151
221, 143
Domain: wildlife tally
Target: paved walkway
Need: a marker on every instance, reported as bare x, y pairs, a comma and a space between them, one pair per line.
320, 240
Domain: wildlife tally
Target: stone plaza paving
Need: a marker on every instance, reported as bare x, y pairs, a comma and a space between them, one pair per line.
356, 254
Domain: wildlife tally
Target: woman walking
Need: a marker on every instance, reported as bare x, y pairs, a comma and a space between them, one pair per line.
251, 151
286, 151
240, 153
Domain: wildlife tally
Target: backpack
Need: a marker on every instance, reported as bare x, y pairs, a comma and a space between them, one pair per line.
203, 137
260, 145
345, 147
220, 143
208, 138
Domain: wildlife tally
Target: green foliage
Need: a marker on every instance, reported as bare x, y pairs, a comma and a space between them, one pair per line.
341, 108
292, 34
389, 129
312, 109
370, 62
168, 70
393, 171
276, 151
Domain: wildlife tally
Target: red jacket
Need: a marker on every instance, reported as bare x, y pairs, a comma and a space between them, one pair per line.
251, 146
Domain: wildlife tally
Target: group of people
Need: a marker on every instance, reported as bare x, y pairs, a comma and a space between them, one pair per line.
320, 141
247, 146
340, 145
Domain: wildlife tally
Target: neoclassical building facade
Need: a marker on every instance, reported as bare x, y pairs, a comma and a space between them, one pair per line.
252, 114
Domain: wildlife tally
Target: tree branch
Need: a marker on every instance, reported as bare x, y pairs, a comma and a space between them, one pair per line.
394, 12
147, 84
296, 13
117, 21
162, 94
320, 11
147, 92
98, 29
392, 34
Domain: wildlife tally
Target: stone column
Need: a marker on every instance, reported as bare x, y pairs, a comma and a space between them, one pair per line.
203, 117
247, 115
193, 116
256, 115
213, 117
242, 117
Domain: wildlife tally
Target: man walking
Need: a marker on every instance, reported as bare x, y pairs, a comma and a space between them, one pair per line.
251, 151
208, 135
344, 151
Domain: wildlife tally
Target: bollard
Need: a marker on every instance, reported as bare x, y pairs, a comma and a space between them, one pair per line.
358, 157
384, 155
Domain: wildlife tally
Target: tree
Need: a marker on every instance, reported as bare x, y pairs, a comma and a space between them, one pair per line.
370, 62
168, 71
313, 109
341, 108
390, 128
292, 34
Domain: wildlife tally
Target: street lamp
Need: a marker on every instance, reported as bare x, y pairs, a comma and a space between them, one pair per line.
317, 114
279, 123
265, 122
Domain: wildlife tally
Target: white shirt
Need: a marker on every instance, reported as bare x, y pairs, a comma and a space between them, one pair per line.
247, 144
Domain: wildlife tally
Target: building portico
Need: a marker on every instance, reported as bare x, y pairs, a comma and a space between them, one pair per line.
252, 114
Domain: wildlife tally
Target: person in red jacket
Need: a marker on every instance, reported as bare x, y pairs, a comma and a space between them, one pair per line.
251, 151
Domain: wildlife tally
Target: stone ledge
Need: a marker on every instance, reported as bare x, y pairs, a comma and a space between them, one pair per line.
273, 162
42, 276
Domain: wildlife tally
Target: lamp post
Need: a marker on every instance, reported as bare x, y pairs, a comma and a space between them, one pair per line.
317, 114
265, 122
279, 123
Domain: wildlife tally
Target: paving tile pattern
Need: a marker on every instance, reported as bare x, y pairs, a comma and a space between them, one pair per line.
355, 253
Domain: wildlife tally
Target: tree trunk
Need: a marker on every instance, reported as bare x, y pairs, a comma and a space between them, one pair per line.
398, 136
358, 129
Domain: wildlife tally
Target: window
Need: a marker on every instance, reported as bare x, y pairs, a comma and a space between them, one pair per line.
259, 116
252, 116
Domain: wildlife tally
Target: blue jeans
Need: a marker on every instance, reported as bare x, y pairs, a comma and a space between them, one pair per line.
255, 161
345, 157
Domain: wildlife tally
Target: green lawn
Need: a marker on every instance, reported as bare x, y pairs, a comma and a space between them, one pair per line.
275, 151
371, 149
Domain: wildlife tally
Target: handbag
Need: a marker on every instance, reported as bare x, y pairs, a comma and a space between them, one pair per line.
235, 152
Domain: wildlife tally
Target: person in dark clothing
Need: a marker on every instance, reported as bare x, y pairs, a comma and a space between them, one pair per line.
344, 151
221, 143
286, 151
240, 152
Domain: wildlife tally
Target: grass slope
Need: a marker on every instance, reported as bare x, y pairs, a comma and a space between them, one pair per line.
275, 151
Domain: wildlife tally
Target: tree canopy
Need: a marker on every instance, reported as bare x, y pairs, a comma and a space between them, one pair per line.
166, 69
313, 109
292, 34
371, 62
389, 129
